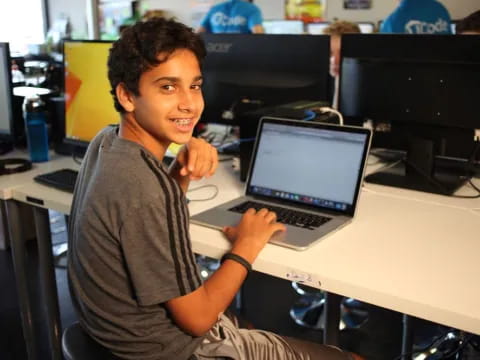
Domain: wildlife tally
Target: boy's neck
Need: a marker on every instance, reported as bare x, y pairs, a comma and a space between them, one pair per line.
130, 130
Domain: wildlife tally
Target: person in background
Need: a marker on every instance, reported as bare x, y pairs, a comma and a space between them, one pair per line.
469, 25
418, 17
335, 30
233, 16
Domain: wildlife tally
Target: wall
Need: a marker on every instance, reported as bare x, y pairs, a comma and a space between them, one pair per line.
271, 9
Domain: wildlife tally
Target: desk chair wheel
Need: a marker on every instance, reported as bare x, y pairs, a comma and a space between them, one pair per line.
78, 345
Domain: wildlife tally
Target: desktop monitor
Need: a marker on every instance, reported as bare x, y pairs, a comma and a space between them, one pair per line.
245, 72
421, 94
294, 27
88, 102
6, 98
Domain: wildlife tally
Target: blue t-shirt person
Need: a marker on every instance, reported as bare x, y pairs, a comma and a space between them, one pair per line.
418, 17
233, 16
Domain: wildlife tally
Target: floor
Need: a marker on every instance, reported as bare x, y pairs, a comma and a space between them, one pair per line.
266, 304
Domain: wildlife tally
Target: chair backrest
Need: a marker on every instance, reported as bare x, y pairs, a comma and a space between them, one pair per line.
78, 345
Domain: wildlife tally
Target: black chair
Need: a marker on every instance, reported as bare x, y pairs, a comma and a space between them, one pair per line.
78, 345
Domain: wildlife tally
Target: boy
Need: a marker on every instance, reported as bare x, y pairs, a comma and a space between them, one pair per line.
132, 274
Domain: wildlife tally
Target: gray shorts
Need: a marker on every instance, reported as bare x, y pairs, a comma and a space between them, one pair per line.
227, 341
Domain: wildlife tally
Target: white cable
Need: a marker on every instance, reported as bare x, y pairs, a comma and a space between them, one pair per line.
336, 112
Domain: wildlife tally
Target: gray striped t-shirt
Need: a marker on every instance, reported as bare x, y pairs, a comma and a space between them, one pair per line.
130, 251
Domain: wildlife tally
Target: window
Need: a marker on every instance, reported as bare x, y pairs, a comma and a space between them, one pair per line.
21, 23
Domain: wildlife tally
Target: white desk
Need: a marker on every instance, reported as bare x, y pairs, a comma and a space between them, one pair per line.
18, 222
412, 252
10, 182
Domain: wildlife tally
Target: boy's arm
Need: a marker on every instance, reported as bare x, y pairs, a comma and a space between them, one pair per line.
198, 311
195, 160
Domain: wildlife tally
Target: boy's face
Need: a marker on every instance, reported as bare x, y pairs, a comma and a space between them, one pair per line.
170, 99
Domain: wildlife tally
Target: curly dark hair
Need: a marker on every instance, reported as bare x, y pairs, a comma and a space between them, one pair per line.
138, 48
470, 23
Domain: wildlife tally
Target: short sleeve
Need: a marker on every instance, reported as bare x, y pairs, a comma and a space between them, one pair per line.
255, 19
157, 251
386, 26
206, 22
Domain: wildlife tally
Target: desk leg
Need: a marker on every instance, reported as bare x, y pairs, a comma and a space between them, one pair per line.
48, 280
407, 337
19, 255
331, 333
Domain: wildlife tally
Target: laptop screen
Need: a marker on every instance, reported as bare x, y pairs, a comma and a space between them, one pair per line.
316, 165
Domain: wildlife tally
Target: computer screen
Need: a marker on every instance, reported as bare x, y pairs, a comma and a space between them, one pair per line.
421, 94
6, 116
245, 72
333, 183
366, 27
317, 28
88, 102
283, 27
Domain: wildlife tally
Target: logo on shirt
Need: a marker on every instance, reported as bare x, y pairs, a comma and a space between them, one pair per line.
221, 19
422, 27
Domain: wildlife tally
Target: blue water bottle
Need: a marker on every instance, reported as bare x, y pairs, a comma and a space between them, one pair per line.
34, 114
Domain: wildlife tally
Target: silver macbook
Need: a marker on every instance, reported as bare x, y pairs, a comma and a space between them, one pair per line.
309, 173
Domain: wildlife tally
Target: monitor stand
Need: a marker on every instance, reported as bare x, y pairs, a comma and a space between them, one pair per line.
418, 171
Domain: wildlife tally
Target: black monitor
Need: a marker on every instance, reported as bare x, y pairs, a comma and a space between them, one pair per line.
421, 93
6, 99
88, 102
244, 72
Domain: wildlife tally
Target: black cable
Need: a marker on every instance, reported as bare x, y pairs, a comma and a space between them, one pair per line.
463, 344
439, 185
75, 158
473, 185
474, 344
426, 347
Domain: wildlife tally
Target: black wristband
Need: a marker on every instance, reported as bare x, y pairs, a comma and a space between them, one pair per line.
238, 259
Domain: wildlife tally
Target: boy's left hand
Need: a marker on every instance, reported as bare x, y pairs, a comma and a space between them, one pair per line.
197, 159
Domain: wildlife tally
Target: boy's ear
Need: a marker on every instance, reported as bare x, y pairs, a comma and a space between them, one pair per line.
125, 97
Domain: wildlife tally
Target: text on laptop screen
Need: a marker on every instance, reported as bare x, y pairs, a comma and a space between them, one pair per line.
317, 167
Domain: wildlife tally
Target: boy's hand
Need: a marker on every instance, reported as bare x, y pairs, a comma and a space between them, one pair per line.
253, 232
197, 159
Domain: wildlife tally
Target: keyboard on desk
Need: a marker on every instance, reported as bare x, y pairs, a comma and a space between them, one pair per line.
285, 215
63, 179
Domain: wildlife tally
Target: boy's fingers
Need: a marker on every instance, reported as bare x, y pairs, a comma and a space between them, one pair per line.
192, 159
214, 162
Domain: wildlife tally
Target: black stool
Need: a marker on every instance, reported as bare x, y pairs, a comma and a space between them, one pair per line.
78, 345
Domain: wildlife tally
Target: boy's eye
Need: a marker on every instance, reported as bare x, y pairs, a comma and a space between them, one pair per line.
168, 87
197, 86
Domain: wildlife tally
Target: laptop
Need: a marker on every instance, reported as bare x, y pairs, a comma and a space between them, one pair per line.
309, 173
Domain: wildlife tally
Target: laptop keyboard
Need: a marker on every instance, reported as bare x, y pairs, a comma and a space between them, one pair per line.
284, 215
63, 179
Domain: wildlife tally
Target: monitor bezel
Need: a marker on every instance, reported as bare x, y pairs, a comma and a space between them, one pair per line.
350, 211
8, 135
